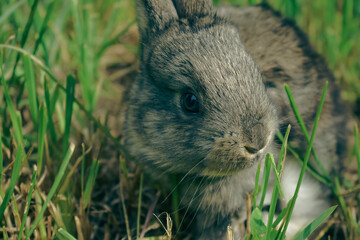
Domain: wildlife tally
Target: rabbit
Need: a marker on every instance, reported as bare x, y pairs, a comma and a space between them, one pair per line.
209, 99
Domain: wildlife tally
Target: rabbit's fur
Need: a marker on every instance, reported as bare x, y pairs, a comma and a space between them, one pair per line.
235, 61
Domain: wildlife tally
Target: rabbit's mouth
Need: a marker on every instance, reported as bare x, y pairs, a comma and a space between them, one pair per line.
224, 163
221, 166
228, 156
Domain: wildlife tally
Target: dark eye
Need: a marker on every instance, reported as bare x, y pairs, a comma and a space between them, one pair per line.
190, 103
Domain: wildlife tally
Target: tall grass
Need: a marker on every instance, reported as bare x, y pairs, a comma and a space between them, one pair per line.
53, 142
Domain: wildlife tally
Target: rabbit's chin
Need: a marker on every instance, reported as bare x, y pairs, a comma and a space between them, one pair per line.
222, 169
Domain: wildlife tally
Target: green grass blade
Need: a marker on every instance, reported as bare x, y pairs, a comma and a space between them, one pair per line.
5, 235
256, 190
10, 10
290, 8
303, 128
55, 97
114, 39
70, 95
273, 203
308, 150
266, 176
26, 211
55, 185
314, 224
65, 234
33, 4
41, 136
357, 151
85, 77
277, 177
30, 85
10, 106
1, 164
277, 186
14, 177
283, 150
83, 169
281, 215
101, 126
90, 182
49, 112
41, 225
25, 34
343, 206
15, 212
44, 24
123, 167
310, 168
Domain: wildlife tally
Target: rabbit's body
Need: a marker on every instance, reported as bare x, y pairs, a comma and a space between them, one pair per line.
210, 98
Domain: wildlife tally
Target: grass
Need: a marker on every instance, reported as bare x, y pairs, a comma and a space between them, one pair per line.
64, 172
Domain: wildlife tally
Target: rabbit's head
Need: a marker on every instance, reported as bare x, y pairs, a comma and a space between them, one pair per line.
199, 103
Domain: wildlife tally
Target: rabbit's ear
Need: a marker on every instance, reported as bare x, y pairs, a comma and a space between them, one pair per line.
153, 15
193, 8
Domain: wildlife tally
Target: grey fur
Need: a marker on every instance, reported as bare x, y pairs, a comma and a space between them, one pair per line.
226, 58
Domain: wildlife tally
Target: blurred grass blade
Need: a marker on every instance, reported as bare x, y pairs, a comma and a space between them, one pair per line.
90, 182
1, 164
291, 8
54, 186
114, 39
308, 150
343, 206
26, 211
30, 85
10, 10
65, 234
357, 151
5, 235
41, 136
139, 205
83, 169
123, 167
83, 58
70, 95
41, 226
14, 177
25, 34
314, 224
49, 112
10, 106
44, 24
103, 128
15, 212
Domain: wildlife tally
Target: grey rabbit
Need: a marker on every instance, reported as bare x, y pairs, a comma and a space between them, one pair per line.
209, 99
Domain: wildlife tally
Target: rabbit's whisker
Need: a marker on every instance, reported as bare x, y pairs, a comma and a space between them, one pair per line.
182, 179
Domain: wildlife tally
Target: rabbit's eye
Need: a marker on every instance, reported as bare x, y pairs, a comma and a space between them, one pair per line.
190, 103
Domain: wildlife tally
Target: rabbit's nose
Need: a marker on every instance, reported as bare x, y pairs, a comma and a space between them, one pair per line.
251, 149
